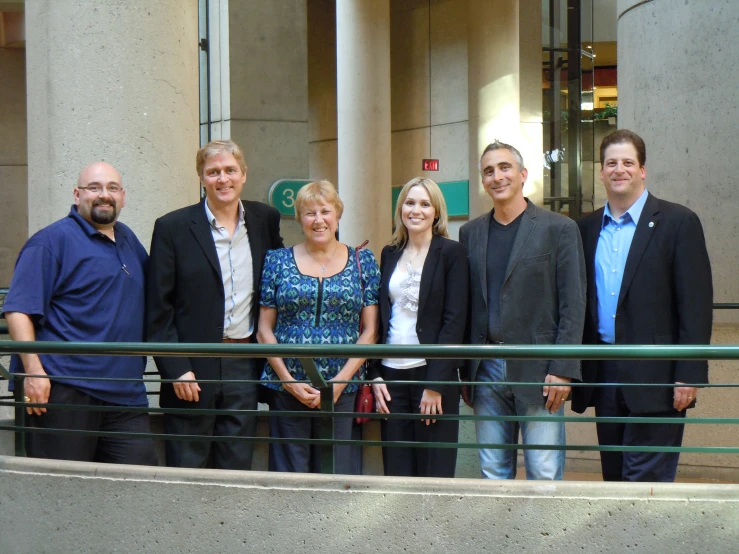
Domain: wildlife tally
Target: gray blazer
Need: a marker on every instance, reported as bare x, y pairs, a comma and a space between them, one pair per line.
543, 297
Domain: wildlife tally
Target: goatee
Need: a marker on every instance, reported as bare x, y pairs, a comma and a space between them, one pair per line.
103, 217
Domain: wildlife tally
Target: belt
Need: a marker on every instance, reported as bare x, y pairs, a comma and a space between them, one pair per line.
245, 340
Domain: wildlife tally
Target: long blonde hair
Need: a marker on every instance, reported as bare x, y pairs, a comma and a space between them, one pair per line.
441, 220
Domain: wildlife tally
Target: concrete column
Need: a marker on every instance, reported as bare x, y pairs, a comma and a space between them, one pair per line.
363, 113
504, 93
680, 99
114, 81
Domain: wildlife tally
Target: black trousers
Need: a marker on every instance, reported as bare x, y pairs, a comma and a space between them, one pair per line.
223, 396
89, 448
634, 466
306, 458
409, 461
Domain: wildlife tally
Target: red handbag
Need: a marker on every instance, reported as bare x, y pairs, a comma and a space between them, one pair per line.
365, 401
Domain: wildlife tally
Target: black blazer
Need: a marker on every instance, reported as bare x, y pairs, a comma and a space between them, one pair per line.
185, 297
442, 304
666, 297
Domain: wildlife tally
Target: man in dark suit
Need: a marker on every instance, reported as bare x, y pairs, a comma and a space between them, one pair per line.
203, 286
649, 282
527, 286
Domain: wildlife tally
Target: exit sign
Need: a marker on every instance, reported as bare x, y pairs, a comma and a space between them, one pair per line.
430, 165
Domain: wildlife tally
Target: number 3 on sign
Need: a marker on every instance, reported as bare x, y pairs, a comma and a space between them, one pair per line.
288, 198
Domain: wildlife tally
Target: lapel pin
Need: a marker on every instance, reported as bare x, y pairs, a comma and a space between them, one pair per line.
651, 223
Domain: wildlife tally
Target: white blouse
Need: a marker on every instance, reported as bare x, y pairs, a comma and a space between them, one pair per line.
404, 288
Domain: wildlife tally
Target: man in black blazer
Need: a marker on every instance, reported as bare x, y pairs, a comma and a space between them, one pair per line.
203, 286
527, 286
649, 282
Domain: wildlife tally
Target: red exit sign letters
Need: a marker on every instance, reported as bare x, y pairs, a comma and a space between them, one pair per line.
430, 165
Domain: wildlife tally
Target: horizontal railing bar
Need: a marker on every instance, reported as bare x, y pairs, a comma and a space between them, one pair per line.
377, 351
62, 378
337, 442
376, 415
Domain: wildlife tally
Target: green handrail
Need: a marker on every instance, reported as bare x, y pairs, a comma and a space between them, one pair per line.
306, 353
376, 351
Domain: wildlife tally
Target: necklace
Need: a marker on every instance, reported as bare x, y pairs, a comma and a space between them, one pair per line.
409, 263
331, 257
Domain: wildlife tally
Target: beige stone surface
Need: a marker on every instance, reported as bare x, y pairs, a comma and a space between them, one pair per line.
687, 113
410, 68
116, 82
448, 61
322, 71
13, 218
13, 161
269, 40
409, 148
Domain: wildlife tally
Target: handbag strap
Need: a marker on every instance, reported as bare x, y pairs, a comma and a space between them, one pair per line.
361, 282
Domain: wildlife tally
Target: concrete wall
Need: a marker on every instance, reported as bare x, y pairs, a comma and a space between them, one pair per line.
74, 507
13, 160
269, 94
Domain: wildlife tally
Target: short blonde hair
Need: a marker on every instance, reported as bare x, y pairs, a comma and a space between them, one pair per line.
315, 192
215, 147
441, 219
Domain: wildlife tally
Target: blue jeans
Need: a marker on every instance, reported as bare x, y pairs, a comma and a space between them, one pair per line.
499, 400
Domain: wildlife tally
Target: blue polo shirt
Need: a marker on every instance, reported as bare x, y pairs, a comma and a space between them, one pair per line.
78, 285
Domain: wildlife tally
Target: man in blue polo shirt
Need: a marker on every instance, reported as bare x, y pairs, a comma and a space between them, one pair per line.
82, 279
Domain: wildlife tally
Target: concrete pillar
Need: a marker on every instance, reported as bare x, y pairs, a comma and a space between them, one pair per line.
680, 99
363, 120
504, 93
114, 81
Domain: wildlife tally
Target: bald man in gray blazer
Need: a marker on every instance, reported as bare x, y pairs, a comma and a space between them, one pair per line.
527, 286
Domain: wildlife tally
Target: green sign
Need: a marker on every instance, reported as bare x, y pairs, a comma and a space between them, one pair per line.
283, 192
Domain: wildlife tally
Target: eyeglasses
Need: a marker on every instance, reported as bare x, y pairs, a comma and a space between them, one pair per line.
97, 189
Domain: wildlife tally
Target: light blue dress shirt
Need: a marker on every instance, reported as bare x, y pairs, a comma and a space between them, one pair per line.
613, 247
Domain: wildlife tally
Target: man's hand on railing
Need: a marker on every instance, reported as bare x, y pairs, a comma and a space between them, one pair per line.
467, 395
382, 396
431, 404
684, 396
187, 391
556, 395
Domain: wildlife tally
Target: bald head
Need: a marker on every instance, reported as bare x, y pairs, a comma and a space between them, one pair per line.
99, 195
100, 172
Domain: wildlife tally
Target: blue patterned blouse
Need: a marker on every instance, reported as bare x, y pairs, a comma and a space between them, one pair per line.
310, 311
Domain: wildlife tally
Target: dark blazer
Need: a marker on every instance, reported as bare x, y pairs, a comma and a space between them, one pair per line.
442, 302
185, 297
666, 297
542, 300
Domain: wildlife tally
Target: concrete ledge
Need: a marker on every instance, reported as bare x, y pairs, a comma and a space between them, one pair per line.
56, 506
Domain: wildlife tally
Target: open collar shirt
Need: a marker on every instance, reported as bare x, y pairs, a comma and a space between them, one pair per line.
234, 257
611, 253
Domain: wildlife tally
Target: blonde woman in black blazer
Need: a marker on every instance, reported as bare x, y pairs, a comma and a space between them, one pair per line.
423, 300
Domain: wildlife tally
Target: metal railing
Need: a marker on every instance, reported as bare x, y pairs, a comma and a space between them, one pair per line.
326, 442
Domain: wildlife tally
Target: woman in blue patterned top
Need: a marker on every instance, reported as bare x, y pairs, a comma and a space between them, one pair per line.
313, 293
